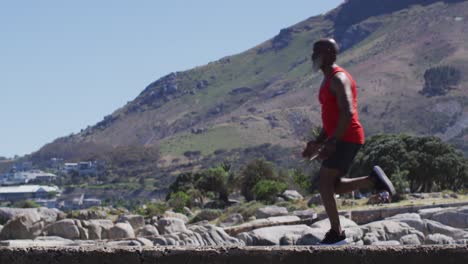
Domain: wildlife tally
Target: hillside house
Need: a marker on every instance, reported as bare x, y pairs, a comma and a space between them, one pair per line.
25, 177
26, 192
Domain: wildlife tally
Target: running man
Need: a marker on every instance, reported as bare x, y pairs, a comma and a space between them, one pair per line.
340, 139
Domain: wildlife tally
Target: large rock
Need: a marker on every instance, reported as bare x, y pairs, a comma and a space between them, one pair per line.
84, 235
410, 240
462, 241
370, 238
94, 229
178, 215
263, 222
137, 242
354, 234
452, 217
231, 220
121, 231
147, 231
99, 228
305, 214
412, 219
27, 225
463, 209
47, 215
169, 225
65, 228
289, 239
136, 221
325, 223
274, 235
429, 212
50, 215
389, 230
292, 195
270, 211
439, 239
434, 227
198, 235
213, 235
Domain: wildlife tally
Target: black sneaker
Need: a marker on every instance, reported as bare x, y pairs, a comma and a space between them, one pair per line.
332, 238
382, 182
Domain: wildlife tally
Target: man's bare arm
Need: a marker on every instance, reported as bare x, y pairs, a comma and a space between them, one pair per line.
341, 88
322, 137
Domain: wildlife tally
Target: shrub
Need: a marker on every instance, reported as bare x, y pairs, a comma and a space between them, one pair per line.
152, 209
401, 184
214, 180
25, 204
246, 209
207, 214
183, 182
303, 181
198, 185
439, 80
254, 172
267, 190
427, 163
400, 181
293, 205
178, 201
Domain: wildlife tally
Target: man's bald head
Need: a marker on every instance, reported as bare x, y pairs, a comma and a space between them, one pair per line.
328, 45
328, 49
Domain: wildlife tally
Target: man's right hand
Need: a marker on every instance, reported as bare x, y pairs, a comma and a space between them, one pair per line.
311, 149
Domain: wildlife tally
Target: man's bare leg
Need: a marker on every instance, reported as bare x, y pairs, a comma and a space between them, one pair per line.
346, 185
328, 179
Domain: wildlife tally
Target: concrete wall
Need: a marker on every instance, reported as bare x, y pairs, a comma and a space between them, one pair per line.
244, 255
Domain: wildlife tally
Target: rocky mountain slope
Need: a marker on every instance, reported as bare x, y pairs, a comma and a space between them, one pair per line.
267, 94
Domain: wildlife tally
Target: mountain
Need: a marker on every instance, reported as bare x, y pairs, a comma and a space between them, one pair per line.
409, 58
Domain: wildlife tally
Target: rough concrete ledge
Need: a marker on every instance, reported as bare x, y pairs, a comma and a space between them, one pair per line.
365, 216
306, 254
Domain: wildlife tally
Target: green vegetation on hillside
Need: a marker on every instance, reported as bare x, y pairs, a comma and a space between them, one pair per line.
423, 164
217, 138
439, 80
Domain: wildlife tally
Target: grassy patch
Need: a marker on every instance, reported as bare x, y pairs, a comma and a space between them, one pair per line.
109, 186
294, 205
245, 209
220, 137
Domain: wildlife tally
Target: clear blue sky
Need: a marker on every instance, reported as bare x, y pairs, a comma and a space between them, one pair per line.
64, 65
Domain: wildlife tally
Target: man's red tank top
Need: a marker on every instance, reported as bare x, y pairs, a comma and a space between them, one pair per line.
330, 111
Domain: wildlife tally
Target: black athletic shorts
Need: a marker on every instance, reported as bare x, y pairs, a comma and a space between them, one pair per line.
343, 156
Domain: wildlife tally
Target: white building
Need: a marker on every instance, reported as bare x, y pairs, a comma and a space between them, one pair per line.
87, 168
83, 168
24, 192
69, 167
90, 202
24, 177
